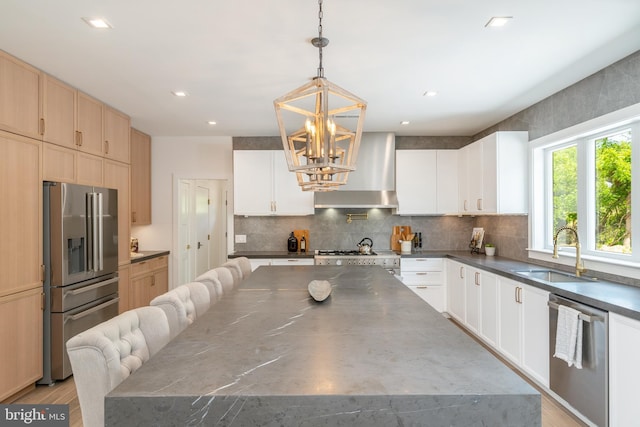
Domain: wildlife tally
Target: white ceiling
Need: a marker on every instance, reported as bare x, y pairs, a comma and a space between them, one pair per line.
235, 57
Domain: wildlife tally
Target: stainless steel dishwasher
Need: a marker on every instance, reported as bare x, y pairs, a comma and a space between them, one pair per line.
586, 389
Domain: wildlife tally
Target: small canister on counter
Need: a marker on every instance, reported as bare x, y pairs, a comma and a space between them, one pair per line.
134, 245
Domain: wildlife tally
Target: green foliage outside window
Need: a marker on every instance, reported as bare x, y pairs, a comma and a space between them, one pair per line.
565, 190
613, 193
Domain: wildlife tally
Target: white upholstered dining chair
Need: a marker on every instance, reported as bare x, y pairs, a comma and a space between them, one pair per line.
183, 305
212, 282
106, 354
245, 266
236, 271
225, 276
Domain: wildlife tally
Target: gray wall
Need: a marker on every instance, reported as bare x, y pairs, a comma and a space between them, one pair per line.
610, 89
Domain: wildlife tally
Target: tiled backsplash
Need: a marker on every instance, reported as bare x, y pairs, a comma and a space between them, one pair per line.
328, 229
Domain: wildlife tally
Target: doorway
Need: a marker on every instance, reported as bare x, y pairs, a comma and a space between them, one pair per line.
201, 227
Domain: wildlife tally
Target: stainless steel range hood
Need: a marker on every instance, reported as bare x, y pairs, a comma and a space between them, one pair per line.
372, 184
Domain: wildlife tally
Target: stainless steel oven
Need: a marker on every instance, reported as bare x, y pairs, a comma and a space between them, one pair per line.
80, 252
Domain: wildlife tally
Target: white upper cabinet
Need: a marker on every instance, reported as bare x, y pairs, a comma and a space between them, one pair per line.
493, 175
263, 185
426, 181
416, 181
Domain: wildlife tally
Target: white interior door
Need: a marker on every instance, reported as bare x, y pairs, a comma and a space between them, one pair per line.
202, 226
184, 231
201, 218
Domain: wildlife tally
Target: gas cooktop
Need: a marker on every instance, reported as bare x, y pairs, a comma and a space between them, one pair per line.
339, 252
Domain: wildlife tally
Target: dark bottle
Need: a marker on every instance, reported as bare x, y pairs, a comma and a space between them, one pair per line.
292, 243
303, 244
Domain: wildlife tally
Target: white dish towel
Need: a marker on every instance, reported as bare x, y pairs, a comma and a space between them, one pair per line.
569, 336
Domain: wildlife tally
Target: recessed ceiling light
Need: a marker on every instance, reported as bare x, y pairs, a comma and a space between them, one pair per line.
430, 93
179, 93
99, 23
404, 122
211, 122
498, 21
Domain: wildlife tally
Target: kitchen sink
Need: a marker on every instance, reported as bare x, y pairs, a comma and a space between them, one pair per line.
553, 276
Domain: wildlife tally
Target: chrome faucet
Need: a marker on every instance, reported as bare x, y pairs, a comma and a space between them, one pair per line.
579, 264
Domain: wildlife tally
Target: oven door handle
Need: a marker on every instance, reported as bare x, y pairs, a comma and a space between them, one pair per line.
91, 287
92, 310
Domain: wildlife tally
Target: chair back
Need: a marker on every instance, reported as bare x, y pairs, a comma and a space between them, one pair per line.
104, 355
245, 266
183, 305
225, 276
212, 282
236, 271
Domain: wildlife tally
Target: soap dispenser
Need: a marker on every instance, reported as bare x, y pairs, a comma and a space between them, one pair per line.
292, 243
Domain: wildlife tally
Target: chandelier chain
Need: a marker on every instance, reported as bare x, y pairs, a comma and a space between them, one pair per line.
320, 67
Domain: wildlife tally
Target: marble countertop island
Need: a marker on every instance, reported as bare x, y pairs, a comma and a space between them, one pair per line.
372, 354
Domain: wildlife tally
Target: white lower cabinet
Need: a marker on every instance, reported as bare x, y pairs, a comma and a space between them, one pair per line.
624, 370
509, 316
488, 307
257, 262
535, 333
292, 261
472, 300
456, 274
425, 277
524, 327
509, 340
481, 304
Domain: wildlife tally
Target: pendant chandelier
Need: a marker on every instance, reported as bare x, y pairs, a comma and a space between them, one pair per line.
321, 127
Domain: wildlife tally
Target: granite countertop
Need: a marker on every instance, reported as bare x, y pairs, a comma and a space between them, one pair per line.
147, 255
610, 296
606, 295
372, 354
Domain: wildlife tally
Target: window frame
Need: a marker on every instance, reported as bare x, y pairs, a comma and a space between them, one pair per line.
541, 230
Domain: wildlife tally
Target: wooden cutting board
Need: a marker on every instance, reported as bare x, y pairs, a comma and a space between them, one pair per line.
395, 242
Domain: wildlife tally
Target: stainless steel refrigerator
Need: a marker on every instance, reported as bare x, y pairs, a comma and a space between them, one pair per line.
80, 248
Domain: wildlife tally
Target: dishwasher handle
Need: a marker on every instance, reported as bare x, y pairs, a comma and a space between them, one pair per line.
582, 316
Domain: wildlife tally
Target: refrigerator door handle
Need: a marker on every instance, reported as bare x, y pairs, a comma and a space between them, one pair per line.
94, 235
89, 226
100, 234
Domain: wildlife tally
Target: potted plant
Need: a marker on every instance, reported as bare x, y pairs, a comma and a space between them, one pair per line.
490, 249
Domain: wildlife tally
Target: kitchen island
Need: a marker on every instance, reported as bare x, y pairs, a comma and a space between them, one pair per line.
372, 354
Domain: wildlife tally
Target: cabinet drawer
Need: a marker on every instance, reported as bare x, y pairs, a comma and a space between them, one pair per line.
144, 267
422, 278
421, 264
433, 295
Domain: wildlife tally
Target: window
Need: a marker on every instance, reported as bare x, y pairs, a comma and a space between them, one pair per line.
586, 182
613, 193
564, 206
